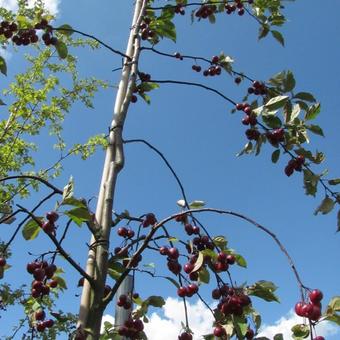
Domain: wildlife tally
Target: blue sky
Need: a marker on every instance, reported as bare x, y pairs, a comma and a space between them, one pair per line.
200, 138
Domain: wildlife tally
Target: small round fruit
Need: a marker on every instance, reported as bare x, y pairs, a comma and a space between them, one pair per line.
2, 262
164, 250
219, 332
52, 216
173, 253
185, 336
39, 315
53, 283
182, 291
48, 323
40, 327
231, 259
134, 99
39, 274
315, 296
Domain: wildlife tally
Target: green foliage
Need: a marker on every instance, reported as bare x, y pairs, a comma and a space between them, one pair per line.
264, 290
300, 331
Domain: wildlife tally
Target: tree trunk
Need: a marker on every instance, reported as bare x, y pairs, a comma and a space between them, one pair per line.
91, 306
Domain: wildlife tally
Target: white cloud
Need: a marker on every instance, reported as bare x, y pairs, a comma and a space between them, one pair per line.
284, 325
51, 5
167, 325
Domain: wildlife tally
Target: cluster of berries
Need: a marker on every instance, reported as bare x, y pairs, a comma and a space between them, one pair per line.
312, 309
42, 271
276, 136
41, 323
125, 232
146, 32
205, 11
149, 220
223, 261
258, 88
144, 77
49, 225
187, 291
238, 5
179, 9
131, 329
294, 164
28, 35
173, 254
124, 301
191, 229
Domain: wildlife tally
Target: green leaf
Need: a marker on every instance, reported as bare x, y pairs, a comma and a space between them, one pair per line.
263, 31
279, 37
173, 281
272, 121
61, 49
65, 29
61, 282
295, 112
278, 336
241, 326
75, 202
199, 262
196, 204
276, 102
203, 275
315, 129
2, 103
155, 301
79, 215
212, 18
115, 269
313, 111
148, 86
300, 331
334, 181
305, 96
241, 261
276, 155
289, 82
334, 304
256, 319
248, 148
310, 182
325, 207
3, 66
31, 229
264, 290
68, 189
145, 97
220, 241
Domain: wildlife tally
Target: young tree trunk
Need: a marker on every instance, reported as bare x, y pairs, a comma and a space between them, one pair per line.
91, 306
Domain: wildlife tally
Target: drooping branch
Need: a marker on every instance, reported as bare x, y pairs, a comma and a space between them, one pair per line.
60, 249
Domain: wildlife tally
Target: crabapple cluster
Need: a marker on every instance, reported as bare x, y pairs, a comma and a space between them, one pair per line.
49, 225
276, 136
258, 88
294, 164
42, 271
173, 254
312, 309
205, 11
124, 301
237, 6
150, 219
125, 232
131, 328
144, 77
179, 9
187, 291
28, 35
2, 262
41, 324
146, 32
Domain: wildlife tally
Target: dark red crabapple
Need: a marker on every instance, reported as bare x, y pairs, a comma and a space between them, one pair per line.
315, 296
231, 259
2, 262
173, 253
219, 331
40, 327
48, 323
185, 336
39, 315
52, 216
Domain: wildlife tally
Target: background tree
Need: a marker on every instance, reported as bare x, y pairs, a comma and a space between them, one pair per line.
34, 104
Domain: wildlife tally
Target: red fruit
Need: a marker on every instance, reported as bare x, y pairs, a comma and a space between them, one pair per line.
315, 296
39, 315
150, 219
215, 59
39, 274
247, 110
221, 266
164, 250
52, 216
31, 266
122, 231
81, 282
319, 338
240, 11
216, 294
189, 229
48, 323
238, 80
300, 159
48, 227
53, 283
40, 327
307, 310
252, 119
2, 262
138, 325
177, 55
193, 276
182, 291
37, 285
196, 229
185, 336
298, 308
231, 259
134, 98
246, 120
289, 170
225, 290
173, 253
45, 290
35, 293
174, 267
107, 290
192, 289
188, 267
50, 270
219, 331
250, 334
315, 313
221, 257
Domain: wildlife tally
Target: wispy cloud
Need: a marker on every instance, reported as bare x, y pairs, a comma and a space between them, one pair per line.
284, 325
51, 5
166, 325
